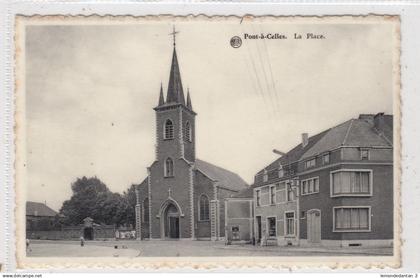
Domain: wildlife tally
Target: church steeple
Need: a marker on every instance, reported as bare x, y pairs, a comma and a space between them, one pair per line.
175, 119
161, 99
189, 105
175, 92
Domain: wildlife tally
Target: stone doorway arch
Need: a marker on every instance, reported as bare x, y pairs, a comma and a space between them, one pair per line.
170, 217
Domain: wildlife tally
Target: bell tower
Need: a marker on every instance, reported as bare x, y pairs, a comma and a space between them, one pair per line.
175, 118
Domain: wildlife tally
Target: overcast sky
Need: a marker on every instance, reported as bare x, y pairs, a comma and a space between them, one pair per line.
90, 91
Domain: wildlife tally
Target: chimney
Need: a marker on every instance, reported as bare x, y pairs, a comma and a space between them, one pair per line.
305, 139
378, 120
367, 118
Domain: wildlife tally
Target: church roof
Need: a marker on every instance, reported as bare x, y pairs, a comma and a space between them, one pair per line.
224, 178
175, 92
244, 193
39, 209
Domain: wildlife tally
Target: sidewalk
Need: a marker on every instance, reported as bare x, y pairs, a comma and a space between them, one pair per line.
376, 251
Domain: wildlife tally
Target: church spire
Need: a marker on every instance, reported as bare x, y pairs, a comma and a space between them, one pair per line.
161, 99
175, 92
189, 105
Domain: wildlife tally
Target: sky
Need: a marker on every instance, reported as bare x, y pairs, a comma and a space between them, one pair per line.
91, 89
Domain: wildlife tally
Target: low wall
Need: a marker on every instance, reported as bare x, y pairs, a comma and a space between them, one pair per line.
72, 233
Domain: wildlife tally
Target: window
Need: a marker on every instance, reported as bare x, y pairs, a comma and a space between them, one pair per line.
281, 173
258, 192
272, 195
289, 193
351, 182
271, 222
326, 158
364, 154
204, 208
265, 177
309, 186
146, 210
290, 223
169, 130
310, 163
188, 131
352, 219
169, 167
302, 214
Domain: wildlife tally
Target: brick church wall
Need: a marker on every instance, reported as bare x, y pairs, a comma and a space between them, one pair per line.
179, 192
202, 185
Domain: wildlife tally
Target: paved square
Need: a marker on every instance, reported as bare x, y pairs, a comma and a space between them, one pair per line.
49, 248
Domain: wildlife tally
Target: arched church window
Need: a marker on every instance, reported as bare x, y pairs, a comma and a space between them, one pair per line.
146, 210
169, 130
204, 208
169, 167
188, 131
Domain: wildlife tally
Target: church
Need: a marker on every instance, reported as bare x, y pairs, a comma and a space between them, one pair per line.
182, 197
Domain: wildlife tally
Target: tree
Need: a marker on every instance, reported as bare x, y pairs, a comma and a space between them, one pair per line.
130, 199
89, 195
92, 198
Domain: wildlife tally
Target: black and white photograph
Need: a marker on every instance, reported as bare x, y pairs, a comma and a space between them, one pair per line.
210, 139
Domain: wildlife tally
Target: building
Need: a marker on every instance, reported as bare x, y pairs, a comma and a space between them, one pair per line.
276, 197
40, 217
334, 188
239, 215
182, 197
346, 185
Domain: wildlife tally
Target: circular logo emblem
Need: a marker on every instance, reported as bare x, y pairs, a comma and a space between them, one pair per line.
235, 42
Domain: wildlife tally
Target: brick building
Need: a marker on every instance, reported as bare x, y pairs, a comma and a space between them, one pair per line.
40, 217
334, 188
182, 196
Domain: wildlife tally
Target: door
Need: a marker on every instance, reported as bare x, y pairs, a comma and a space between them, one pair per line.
171, 222
258, 228
314, 226
88, 233
173, 227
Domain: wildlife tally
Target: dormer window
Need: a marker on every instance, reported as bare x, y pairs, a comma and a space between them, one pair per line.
281, 172
310, 163
326, 158
364, 154
265, 176
168, 130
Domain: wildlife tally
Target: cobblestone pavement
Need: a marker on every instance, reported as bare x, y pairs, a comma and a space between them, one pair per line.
112, 248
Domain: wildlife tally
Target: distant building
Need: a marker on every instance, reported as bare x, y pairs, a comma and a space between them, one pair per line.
335, 188
39, 216
182, 197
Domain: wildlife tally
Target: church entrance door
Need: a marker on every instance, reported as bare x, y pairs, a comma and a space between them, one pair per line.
172, 222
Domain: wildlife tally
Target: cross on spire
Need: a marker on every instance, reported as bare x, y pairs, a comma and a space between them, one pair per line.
174, 32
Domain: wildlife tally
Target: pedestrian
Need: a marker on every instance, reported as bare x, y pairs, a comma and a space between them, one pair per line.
82, 241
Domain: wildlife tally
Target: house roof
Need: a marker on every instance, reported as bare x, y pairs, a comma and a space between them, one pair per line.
39, 209
355, 132
294, 154
224, 178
